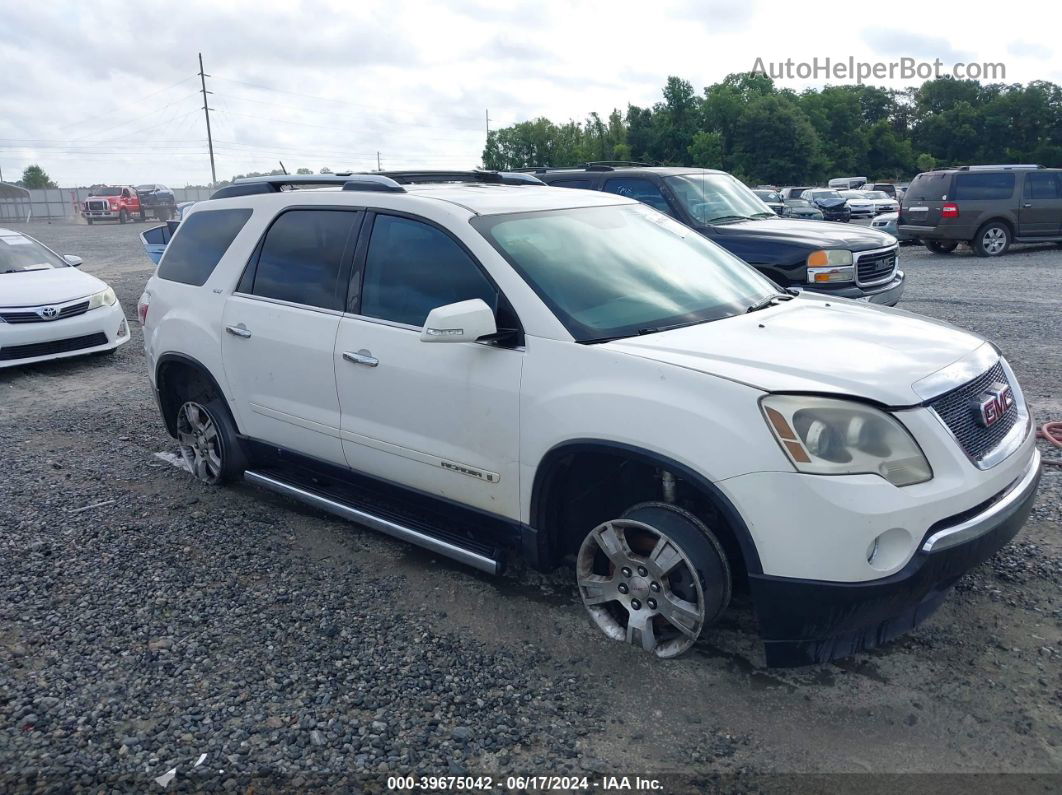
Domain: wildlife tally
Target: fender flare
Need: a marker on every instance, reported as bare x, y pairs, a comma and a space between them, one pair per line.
547, 466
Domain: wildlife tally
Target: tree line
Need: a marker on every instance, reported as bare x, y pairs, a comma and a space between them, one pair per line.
763, 134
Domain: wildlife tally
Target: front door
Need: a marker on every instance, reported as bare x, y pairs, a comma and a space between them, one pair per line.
280, 332
440, 417
1041, 205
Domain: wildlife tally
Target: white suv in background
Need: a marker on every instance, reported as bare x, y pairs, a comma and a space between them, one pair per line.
51, 310
489, 369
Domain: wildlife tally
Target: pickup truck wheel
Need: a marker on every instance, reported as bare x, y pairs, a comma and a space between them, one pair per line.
654, 578
941, 247
992, 240
123, 216
208, 441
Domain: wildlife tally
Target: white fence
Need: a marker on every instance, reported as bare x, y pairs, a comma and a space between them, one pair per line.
64, 203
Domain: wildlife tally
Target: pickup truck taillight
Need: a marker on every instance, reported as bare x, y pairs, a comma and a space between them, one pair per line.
142, 308
949, 210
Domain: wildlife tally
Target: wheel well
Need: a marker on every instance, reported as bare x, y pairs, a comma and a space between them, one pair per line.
580, 486
1006, 222
178, 378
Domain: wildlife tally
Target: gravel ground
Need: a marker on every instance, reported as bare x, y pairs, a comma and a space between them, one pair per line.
146, 620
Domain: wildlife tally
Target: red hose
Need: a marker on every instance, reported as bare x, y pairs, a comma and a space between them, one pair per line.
1052, 432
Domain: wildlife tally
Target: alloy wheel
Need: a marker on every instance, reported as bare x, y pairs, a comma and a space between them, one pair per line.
200, 443
994, 240
640, 587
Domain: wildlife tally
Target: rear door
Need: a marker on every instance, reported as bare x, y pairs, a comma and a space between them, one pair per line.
1041, 205
280, 331
923, 201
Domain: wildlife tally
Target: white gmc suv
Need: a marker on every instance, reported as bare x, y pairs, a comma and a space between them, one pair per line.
486, 366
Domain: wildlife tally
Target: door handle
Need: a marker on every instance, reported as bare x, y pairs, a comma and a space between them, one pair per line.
1027, 204
361, 357
238, 331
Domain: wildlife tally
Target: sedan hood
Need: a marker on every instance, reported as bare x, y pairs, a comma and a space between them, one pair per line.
53, 286
810, 234
815, 344
829, 202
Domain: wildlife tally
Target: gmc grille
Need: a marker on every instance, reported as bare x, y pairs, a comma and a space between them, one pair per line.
954, 408
875, 267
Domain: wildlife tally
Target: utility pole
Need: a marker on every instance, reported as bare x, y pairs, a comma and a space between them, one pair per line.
378, 166
206, 111
486, 118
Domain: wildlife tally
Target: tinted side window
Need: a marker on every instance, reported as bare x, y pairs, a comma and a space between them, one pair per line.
200, 243
930, 187
1042, 186
571, 183
302, 258
641, 189
412, 268
983, 186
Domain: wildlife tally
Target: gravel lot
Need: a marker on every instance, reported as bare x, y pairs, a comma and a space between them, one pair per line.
146, 620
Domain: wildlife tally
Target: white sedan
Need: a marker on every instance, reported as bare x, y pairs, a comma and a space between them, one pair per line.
51, 310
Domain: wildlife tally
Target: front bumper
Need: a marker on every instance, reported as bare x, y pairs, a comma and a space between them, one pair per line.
807, 621
887, 294
92, 332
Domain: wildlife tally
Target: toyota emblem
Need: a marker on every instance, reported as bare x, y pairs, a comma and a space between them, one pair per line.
48, 312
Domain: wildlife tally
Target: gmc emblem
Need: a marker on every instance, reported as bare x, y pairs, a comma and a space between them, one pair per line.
992, 405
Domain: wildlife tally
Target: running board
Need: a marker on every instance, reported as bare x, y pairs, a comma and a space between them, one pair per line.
403, 532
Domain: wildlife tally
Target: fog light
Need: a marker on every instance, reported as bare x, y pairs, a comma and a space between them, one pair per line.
890, 549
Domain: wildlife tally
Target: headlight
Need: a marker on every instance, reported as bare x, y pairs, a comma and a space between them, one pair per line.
102, 298
828, 436
830, 265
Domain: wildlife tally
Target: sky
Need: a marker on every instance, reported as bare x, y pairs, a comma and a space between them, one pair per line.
108, 91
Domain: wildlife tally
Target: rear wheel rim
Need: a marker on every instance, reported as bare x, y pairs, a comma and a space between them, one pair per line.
200, 443
994, 240
639, 586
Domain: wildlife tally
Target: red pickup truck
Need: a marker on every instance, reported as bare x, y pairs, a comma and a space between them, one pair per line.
112, 202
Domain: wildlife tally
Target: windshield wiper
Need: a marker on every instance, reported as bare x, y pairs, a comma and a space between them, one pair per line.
643, 331
727, 218
769, 301
764, 215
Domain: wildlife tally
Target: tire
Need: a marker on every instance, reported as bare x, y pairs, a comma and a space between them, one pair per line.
88, 221
655, 578
992, 239
143, 217
208, 440
123, 217
941, 247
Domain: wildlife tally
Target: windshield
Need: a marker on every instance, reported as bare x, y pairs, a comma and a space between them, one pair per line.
876, 194
768, 195
20, 253
798, 203
623, 270
827, 194
717, 198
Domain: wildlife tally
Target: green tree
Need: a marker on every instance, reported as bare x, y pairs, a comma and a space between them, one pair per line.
304, 171
926, 162
36, 177
706, 151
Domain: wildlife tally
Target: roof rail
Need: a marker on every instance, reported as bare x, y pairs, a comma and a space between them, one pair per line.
477, 175
1001, 165
372, 182
610, 165
250, 186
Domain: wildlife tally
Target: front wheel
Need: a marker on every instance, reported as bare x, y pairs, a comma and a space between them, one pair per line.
208, 441
992, 240
654, 578
941, 247
123, 216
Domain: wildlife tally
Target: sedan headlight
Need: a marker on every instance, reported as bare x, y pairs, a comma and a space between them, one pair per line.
102, 298
829, 436
830, 265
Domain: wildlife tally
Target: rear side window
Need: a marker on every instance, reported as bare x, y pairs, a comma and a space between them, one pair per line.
1043, 186
411, 268
929, 187
200, 244
983, 186
302, 258
641, 189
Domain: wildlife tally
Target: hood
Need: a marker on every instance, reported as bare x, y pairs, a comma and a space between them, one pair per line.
815, 344
54, 286
828, 202
809, 234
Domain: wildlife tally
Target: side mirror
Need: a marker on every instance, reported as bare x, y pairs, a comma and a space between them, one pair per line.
72, 260
465, 321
